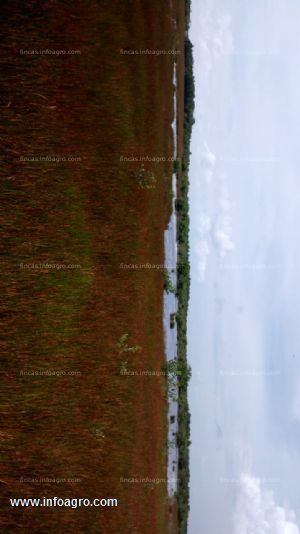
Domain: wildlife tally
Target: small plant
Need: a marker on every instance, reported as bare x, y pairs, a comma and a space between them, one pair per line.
122, 341
99, 432
123, 346
168, 285
177, 376
172, 373
145, 178
172, 366
172, 443
123, 367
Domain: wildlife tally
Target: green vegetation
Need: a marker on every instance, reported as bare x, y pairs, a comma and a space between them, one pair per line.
172, 372
187, 14
146, 179
168, 285
183, 286
177, 165
172, 444
176, 373
123, 346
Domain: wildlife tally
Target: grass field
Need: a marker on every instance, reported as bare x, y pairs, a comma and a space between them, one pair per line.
69, 225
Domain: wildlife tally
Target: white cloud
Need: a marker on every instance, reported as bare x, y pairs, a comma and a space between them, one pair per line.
213, 37
208, 163
224, 241
204, 225
202, 249
221, 40
202, 252
257, 513
223, 226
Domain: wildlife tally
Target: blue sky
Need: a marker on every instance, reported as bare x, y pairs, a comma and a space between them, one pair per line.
244, 317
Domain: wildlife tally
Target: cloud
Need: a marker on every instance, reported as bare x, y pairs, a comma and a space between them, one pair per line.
204, 225
223, 226
221, 40
257, 513
202, 252
224, 241
214, 36
202, 249
208, 162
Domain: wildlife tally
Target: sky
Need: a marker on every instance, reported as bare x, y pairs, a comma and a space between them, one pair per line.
244, 313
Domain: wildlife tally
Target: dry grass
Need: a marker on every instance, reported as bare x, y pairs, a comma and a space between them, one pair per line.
95, 425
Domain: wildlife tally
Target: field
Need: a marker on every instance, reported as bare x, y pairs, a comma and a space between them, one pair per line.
73, 316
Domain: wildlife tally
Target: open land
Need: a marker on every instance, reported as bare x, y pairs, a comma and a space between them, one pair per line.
67, 411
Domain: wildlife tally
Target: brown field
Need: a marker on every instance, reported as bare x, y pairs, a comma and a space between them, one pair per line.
90, 423
180, 20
